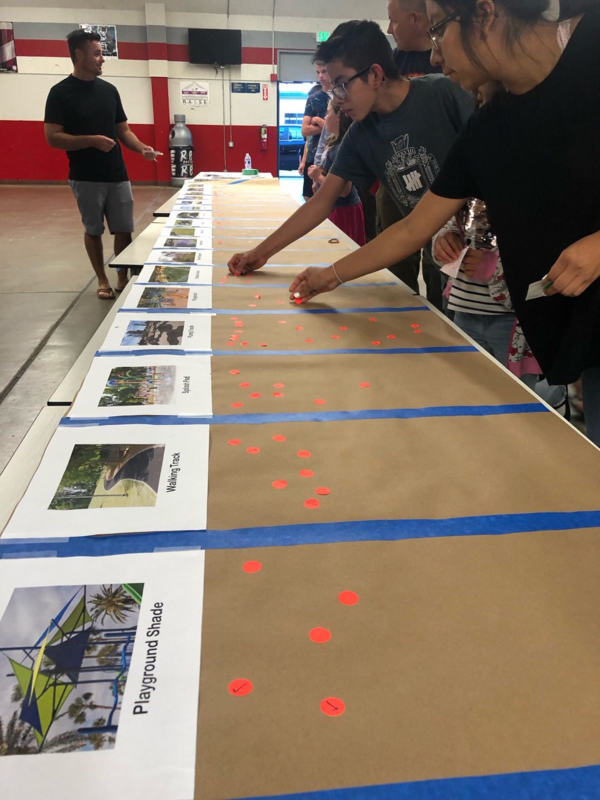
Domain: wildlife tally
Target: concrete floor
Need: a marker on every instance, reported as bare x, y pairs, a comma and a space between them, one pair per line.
48, 305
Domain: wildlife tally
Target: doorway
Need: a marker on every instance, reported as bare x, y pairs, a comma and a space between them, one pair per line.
290, 111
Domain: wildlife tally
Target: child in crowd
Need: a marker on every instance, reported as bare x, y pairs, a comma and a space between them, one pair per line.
347, 212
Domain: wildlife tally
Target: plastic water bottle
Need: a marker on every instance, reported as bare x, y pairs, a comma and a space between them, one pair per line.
247, 162
181, 147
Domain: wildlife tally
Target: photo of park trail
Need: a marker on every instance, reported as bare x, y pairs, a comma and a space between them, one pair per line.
110, 476
180, 231
161, 332
65, 654
159, 297
139, 386
175, 257
170, 275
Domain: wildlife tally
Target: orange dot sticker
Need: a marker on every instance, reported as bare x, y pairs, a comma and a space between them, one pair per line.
252, 566
343, 328
281, 302
311, 503
230, 344
306, 473
244, 385
348, 598
244, 344
282, 321
333, 706
323, 491
254, 395
257, 296
279, 484
234, 442
299, 327
278, 394
241, 687
279, 438
319, 401
234, 372
319, 635
237, 405
310, 341
253, 450
251, 305
364, 385
279, 385
303, 454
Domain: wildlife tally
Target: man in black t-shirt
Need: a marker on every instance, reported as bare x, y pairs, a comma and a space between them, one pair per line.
313, 123
408, 25
85, 117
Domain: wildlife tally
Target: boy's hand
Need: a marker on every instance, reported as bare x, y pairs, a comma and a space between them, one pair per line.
242, 263
302, 167
448, 247
318, 121
314, 172
313, 281
577, 267
472, 261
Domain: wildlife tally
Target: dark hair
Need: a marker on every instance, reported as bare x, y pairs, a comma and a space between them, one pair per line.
314, 89
345, 123
359, 44
520, 15
79, 38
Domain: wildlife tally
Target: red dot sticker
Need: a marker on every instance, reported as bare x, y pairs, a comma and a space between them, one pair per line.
310, 341
254, 395
282, 321
375, 342
279, 484
319, 635
252, 566
234, 442
323, 491
279, 438
335, 336
372, 319
244, 385
311, 503
251, 305
343, 328
234, 372
244, 344
306, 473
299, 327
414, 325
391, 336
298, 300
279, 385
253, 450
278, 394
230, 344
257, 296
303, 454
262, 344
417, 331
319, 401
333, 706
233, 318
237, 405
234, 337
364, 385
348, 598
241, 687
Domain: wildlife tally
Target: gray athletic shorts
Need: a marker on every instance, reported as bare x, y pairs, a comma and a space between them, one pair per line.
99, 200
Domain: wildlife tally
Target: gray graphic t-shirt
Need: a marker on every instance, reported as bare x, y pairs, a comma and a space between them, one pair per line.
406, 148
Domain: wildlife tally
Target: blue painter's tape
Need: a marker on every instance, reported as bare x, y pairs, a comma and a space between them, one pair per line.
390, 351
282, 312
579, 783
316, 533
316, 416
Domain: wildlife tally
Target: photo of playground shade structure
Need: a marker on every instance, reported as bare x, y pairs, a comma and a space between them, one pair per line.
110, 476
65, 653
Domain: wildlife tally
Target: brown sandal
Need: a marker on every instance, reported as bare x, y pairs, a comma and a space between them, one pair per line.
105, 293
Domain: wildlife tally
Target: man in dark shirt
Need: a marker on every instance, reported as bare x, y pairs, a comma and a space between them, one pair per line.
408, 25
85, 117
313, 123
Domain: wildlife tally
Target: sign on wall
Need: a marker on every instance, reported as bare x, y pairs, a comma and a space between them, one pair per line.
8, 57
194, 94
243, 87
108, 38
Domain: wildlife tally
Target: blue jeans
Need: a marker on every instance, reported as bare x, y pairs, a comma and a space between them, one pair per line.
591, 403
492, 331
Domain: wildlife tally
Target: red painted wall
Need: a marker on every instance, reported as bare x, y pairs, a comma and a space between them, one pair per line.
25, 155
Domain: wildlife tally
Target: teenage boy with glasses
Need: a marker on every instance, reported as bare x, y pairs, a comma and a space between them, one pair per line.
401, 134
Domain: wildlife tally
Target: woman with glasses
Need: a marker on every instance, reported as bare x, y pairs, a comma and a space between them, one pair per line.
532, 154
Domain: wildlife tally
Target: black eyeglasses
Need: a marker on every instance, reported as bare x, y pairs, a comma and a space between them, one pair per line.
340, 90
437, 31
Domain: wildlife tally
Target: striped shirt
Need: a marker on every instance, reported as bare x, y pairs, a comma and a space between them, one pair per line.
473, 298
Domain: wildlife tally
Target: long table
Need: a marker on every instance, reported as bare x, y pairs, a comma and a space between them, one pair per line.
401, 580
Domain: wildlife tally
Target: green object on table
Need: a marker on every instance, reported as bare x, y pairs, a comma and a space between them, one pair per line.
249, 172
